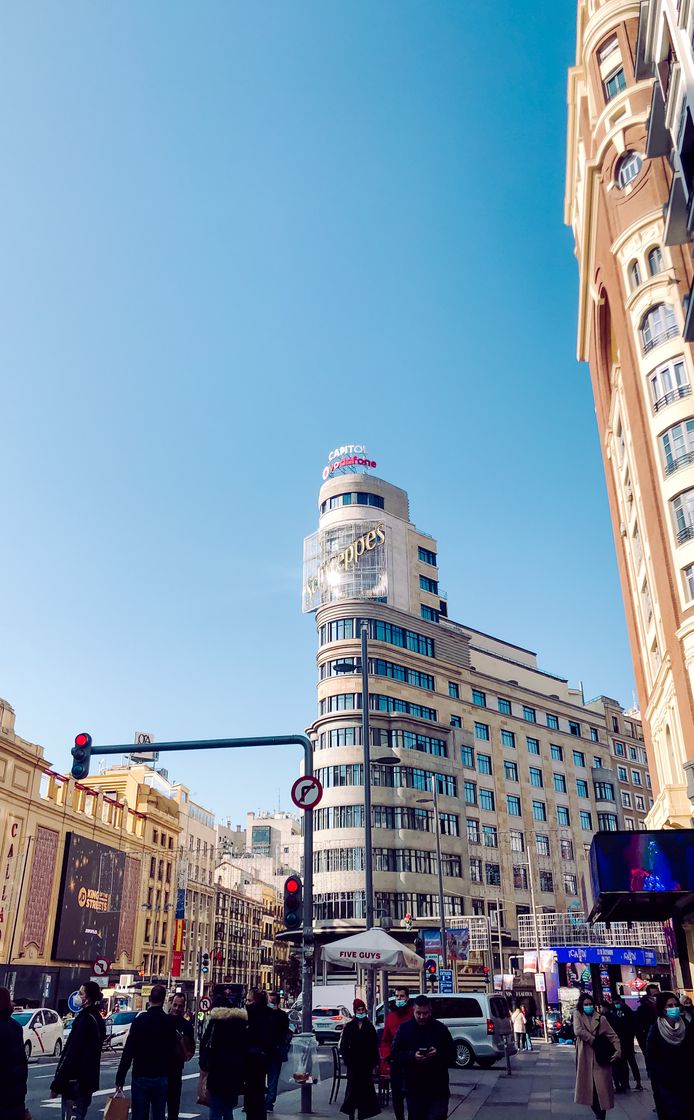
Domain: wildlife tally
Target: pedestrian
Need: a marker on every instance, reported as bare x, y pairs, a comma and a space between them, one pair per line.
223, 1052
669, 1058
646, 1014
529, 1027
150, 1048
280, 1048
622, 1020
359, 1051
518, 1022
687, 1009
13, 1062
261, 1040
185, 1049
77, 1073
401, 1012
425, 1050
594, 1086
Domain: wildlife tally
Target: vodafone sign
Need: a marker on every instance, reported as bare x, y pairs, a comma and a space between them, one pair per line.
351, 455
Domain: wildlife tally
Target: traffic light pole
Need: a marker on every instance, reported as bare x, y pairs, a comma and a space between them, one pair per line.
231, 744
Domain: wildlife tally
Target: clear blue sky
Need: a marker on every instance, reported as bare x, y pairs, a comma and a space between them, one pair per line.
233, 236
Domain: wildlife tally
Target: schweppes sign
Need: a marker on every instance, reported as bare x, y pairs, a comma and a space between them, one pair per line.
345, 562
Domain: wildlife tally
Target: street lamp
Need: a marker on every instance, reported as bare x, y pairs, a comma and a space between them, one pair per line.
439, 865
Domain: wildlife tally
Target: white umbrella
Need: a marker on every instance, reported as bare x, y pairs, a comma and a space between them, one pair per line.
374, 948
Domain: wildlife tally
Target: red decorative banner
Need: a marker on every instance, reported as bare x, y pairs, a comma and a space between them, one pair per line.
179, 926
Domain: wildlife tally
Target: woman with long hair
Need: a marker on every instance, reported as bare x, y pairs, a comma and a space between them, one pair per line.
669, 1057
13, 1062
597, 1046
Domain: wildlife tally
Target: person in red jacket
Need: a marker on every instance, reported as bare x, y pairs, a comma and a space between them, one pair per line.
401, 1013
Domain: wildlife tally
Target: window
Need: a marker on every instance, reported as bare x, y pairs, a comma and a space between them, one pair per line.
553, 722
609, 51
492, 874
520, 878
470, 793
467, 756
563, 815
614, 85
476, 870
574, 728
479, 698
629, 165
632, 754
629, 824
622, 774
508, 739
473, 831
426, 556
504, 706
487, 799
579, 758
657, 325
639, 802
615, 724
529, 714
634, 275
626, 799
453, 690
619, 748
546, 881
427, 584
570, 884
536, 777
361, 498
539, 811
648, 780
581, 787
677, 446
683, 513
586, 820
517, 840
604, 791
559, 783
456, 721
513, 805
511, 771
607, 822
429, 614
489, 836
566, 849
542, 844
484, 763
597, 762
594, 734
655, 260
482, 731
636, 777
533, 745
382, 703
556, 752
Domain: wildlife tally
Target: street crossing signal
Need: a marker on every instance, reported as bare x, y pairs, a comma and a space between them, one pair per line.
81, 755
204, 963
293, 902
431, 968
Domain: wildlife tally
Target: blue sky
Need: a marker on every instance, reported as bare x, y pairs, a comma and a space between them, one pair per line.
235, 235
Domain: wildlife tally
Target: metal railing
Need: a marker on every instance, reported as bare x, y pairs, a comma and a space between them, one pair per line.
573, 929
681, 461
685, 534
674, 395
661, 336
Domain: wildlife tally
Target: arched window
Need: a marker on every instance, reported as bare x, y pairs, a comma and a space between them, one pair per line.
634, 275
628, 168
655, 260
657, 325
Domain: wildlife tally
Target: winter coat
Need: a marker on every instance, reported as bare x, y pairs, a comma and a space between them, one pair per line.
670, 1070
80, 1061
588, 1072
359, 1050
623, 1023
518, 1021
13, 1069
224, 1049
425, 1079
644, 1018
394, 1020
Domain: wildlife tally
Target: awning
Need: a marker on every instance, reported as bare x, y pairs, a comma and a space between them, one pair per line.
374, 948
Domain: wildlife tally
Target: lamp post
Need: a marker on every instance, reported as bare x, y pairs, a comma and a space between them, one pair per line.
439, 865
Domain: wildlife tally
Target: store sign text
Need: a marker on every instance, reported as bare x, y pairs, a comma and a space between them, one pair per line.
351, 455
347, 558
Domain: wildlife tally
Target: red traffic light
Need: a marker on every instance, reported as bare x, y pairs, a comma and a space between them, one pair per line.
83, 739
292, 886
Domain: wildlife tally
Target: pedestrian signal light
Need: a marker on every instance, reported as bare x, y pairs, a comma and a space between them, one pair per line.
293, 902
81, 755
431, 968
205, 963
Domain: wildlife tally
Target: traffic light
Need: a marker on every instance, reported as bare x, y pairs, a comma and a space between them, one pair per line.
81, 754
205, 963
293, 902
431, 969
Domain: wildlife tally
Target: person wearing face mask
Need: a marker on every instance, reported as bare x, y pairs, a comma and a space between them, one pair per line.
400, 1013
280, 1048
621, 1019
669, 1057
359, 1051
594, 1086
687, 1009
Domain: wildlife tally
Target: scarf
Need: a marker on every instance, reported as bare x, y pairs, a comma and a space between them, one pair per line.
672, 1033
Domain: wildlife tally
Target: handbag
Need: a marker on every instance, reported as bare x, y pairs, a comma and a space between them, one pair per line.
603, 1048
117, 1107
203, 1092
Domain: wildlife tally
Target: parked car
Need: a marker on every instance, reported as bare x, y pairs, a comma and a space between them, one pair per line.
118, 1028
480, 1023
43, 1031
329, 1022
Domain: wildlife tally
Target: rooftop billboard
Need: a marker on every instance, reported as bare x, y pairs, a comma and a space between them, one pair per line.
346, 561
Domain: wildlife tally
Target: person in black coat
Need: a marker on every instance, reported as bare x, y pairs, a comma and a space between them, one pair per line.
77, 1074
13, 1062
623, 1022
223, 1055
646, 1014
359, 1050
280, 1048
425, 1050
669, 1059
261, 1045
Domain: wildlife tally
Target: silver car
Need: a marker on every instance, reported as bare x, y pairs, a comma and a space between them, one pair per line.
479, 1022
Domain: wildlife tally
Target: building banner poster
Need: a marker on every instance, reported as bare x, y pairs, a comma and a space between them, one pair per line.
177, 958
457, 943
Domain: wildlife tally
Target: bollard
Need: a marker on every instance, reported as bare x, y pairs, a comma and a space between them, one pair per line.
509, 1071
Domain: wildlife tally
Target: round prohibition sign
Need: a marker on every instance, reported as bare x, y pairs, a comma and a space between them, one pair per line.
307, 792
101, 966
205, 1004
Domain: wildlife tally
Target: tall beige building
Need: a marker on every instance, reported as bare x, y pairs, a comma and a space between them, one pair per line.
625, 208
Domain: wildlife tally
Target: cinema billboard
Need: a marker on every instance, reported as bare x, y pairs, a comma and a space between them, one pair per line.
91, 895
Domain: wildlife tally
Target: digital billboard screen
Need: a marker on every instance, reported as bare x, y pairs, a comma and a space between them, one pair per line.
659, 862
89, 908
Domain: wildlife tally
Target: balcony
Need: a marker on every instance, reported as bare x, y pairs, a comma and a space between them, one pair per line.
681, 461
677, 394
686, 534
676, 214
658, 142
660, 337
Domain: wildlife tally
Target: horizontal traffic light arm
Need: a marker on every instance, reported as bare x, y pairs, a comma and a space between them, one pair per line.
216, 745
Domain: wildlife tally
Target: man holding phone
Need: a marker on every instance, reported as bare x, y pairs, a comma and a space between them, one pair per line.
424, 1050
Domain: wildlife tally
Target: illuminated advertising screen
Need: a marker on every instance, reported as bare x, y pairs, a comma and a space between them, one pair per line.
90, 901
643, 862
346, 561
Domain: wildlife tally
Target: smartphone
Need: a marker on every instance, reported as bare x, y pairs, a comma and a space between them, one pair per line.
423, 1050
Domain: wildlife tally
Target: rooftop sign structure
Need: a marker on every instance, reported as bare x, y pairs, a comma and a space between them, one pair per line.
350, 459
346, 561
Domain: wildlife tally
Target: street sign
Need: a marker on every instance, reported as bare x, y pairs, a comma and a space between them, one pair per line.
205, 1004
74, 1002
446, 980
101, 966
307, 792
540, 985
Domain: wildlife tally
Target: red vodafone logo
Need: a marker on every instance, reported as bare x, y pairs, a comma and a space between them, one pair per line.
351, 455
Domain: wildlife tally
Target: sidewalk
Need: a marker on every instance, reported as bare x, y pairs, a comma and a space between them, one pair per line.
541, 1088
